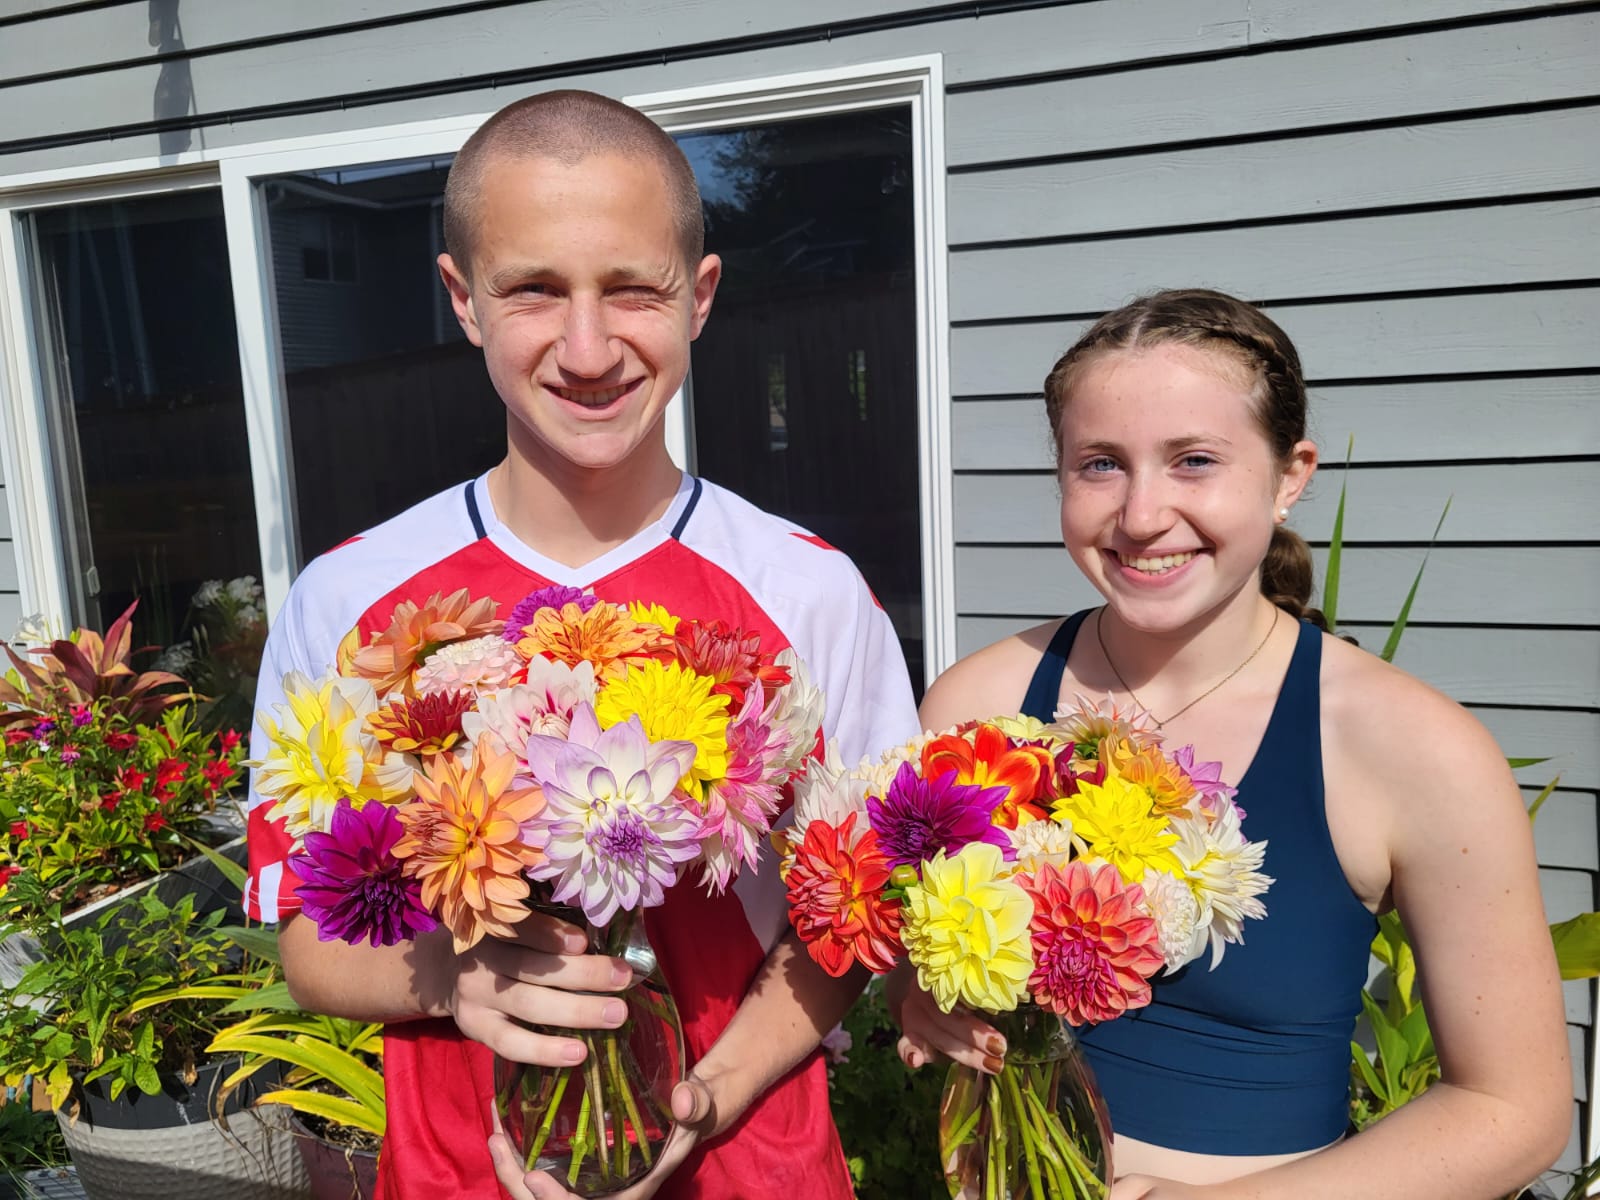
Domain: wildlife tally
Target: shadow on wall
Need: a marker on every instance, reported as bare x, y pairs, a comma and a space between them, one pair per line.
174, 97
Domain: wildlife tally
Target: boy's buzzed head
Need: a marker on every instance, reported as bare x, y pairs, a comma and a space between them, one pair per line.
568, 126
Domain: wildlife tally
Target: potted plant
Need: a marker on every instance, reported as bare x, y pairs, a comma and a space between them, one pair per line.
132, 1000
332, 1082
105, 778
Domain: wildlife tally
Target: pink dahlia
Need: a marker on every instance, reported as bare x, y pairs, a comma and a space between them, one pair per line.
1095, 946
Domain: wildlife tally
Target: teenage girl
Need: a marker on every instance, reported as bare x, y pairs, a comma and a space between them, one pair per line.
1179, 429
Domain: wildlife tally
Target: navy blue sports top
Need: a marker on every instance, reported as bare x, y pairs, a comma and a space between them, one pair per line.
1254, 1057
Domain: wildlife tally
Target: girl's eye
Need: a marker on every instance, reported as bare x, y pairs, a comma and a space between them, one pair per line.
1099, 466
1197, 461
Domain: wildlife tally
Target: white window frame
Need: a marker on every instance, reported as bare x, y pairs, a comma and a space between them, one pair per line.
237, 171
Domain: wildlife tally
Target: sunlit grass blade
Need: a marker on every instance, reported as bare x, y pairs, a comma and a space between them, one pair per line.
1393, 644
1330, 578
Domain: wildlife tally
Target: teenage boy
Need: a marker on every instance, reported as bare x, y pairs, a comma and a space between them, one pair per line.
574, 236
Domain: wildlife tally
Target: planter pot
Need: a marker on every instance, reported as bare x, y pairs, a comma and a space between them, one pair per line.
195, 875
336, 1172
167, 1147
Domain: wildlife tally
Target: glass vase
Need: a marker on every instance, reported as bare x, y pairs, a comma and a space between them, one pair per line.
600, 1125
1038, 1129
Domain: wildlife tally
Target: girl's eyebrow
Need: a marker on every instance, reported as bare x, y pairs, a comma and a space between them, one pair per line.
1171, 445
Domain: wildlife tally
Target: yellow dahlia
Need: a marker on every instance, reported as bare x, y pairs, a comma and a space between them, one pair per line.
321, 750
1115, 821
604, 635
673, 705
413, 633
463, 841
966, 931
1169, 789
653, 614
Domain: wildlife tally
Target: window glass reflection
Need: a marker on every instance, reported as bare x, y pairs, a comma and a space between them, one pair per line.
146, 413
388, 402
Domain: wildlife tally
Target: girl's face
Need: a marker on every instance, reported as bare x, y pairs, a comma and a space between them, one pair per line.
1169, 487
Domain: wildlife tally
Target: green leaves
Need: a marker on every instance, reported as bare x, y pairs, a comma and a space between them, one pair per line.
1393, 642
1330, 579
324, 1050
1577, 943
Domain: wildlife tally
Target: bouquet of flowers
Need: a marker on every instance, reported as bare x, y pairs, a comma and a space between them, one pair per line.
1040, 874
580, 757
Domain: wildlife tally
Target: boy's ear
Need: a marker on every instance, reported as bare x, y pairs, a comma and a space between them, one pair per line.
460, 289
706, 278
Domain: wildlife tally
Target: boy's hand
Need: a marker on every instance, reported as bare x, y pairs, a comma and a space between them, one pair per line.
694, 1107
542, 978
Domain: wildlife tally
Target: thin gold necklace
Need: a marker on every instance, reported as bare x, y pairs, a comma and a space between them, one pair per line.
1160, 724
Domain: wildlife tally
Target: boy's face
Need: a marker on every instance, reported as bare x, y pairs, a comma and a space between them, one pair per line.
583, 305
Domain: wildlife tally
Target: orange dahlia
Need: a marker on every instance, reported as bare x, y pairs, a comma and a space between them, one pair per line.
463, 841
1147, 768
836, 899
427, 725
1095, 944
604, 635
990, 760
414, 632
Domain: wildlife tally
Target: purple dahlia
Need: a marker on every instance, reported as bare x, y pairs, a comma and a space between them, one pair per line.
350, 880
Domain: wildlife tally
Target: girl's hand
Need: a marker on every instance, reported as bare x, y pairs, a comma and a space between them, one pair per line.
929, 1034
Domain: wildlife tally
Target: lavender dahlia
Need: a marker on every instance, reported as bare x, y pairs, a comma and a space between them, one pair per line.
917, 818
350, 881
613, 833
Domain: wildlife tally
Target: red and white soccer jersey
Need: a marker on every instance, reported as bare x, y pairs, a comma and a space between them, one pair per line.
712, 555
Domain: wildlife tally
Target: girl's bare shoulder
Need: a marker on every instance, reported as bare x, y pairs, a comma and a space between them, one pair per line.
988, 682
1381, 714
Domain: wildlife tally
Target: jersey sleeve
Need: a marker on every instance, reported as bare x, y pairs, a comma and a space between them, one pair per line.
870, 704
267, 896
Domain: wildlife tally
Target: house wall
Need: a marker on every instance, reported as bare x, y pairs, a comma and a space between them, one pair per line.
1412, 190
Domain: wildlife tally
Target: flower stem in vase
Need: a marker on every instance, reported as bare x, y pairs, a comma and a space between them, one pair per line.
600, 1125
1037, 1130
551, 1107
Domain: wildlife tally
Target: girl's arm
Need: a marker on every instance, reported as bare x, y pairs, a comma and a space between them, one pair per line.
1466, 884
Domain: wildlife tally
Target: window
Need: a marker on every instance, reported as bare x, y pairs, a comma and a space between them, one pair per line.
139, 361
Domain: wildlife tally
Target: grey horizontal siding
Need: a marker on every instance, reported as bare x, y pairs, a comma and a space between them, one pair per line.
8, 566
1494, 502
1380, 338
1292, 175
1480, 247
10, 613
1565, 832
121, 33
1456, 419
1384, 79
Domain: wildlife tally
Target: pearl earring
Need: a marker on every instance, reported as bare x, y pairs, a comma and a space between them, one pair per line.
1283, 514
